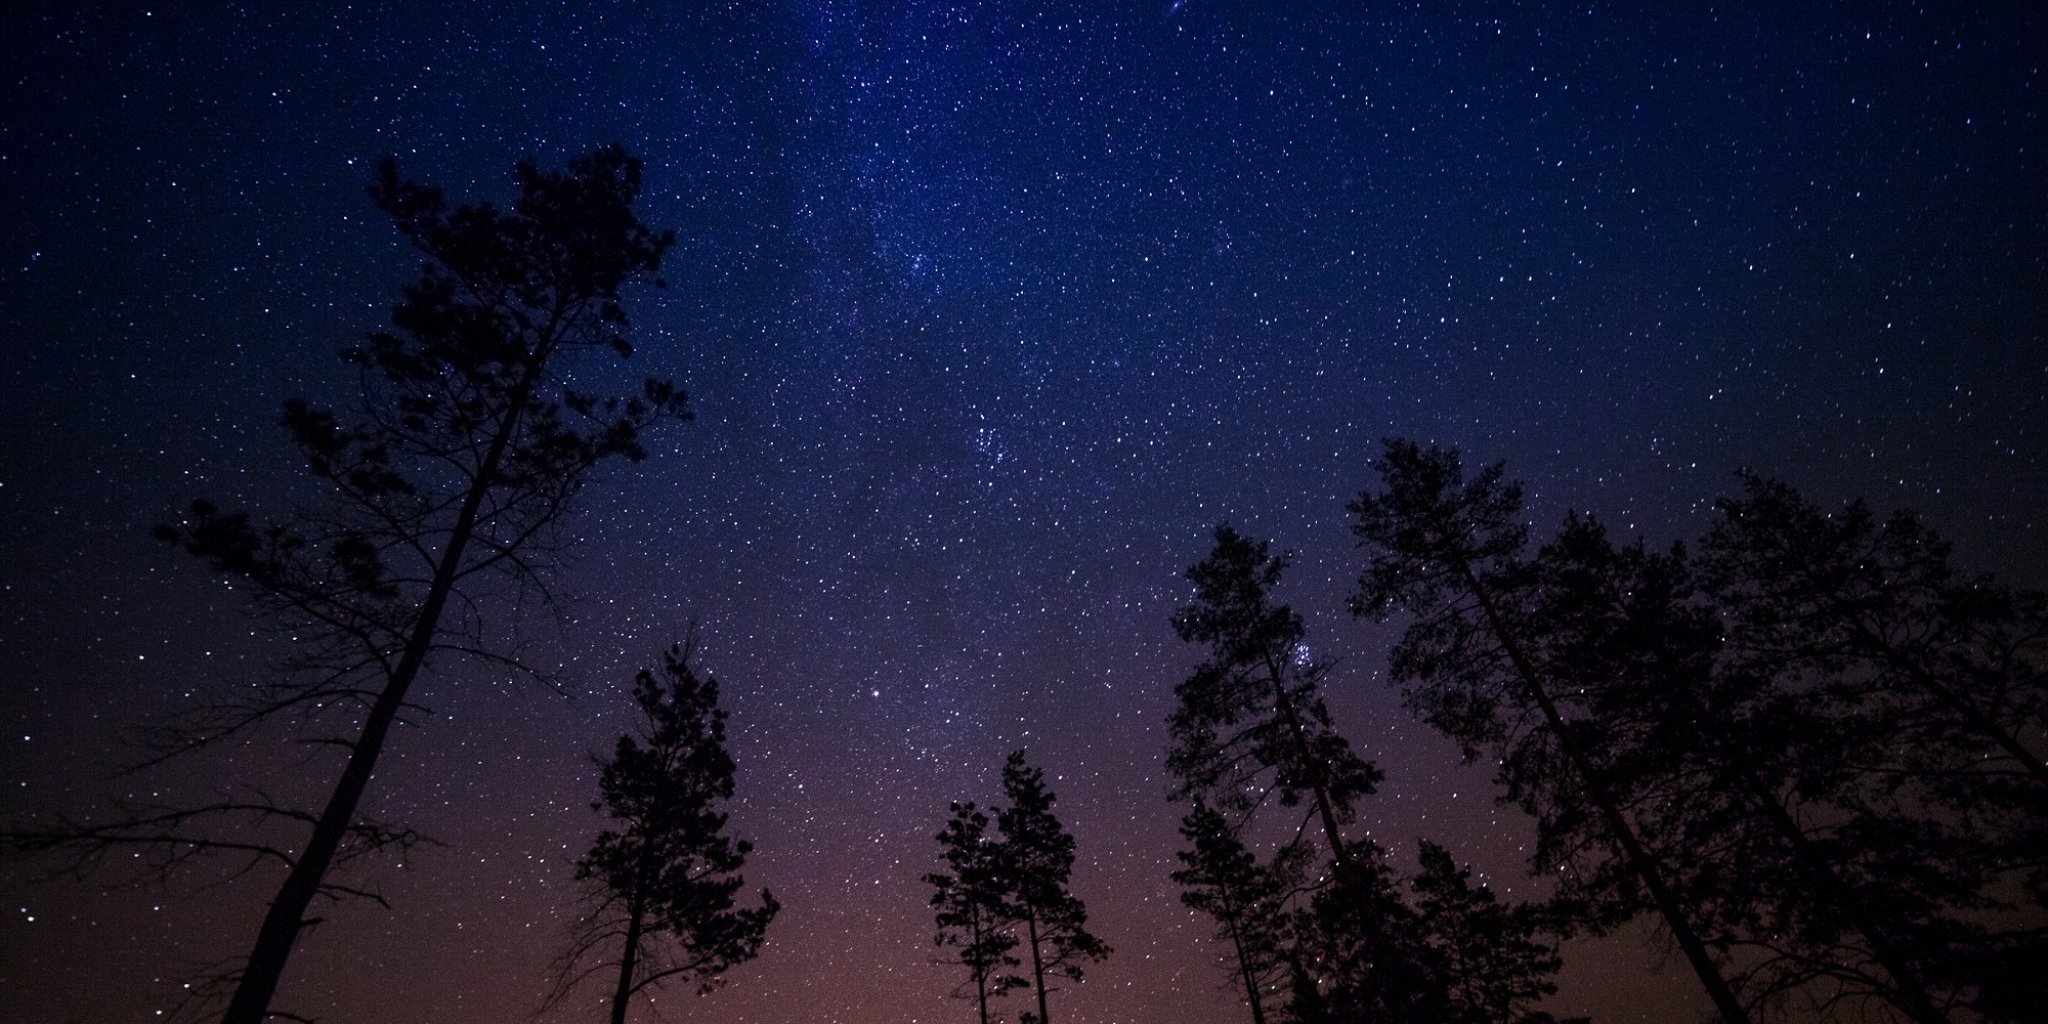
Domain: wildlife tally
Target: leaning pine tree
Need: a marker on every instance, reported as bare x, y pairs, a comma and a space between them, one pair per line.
662, 880
1252, 725
1250, 722
1451, 552
1783, 844
440, 493
1222, 878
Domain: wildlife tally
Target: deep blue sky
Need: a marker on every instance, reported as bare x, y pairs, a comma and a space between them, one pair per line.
990, 312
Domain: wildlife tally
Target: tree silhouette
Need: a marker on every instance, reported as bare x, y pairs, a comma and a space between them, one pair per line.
1036, 858
1749, 791
1887, 702
1253, 707
1451, 553
664, 877
1222, 878
1253, 711
1448, 953
972, 908
439, 492
1810, 748
1492, 955
1358, 953
1961, 662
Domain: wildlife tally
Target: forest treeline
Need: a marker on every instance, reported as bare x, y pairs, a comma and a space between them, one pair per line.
1806, 748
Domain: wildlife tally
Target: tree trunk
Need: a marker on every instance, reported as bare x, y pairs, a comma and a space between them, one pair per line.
1037, 966
622, 996
1639, 860
980, 969
1251, 982
1318, 783
287, 915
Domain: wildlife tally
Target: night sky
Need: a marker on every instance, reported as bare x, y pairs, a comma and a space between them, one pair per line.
989, 313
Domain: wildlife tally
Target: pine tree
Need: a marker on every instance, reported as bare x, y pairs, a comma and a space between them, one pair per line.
1036, 859
971, 905
1253, 711
1248, 901
1253, 708
1961, 661
1895, 700
1451, 553
439, 492
1358, 953
664, 877
1493, 954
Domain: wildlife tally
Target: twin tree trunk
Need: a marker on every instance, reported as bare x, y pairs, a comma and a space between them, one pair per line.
1251, 981
287, 915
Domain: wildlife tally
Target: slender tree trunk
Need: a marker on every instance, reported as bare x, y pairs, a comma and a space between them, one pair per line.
1251, 983
1639, 859
1037, 965
622, 996
1319, 783
980, 969
287, 915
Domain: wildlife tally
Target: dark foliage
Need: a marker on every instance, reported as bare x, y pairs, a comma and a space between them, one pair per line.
1250, 721
1358, 955
439, 490
1875, 614
1009, 893
1036, 859
1449, 954
1895, 709
972, 907
1352, 946
1248, 900
1495, 957
664, 877
1485, 662
1807, 750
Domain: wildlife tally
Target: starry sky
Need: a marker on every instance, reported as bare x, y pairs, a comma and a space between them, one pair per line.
989, 312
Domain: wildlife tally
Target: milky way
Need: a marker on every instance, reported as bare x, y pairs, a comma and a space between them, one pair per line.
989, 313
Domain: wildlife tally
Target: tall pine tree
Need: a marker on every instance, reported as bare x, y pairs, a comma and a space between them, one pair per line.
1037, 858
1451, 553
971, 905
664, 876
1248, 900
1251, 723
441, 486
1250, 719
1905, 704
